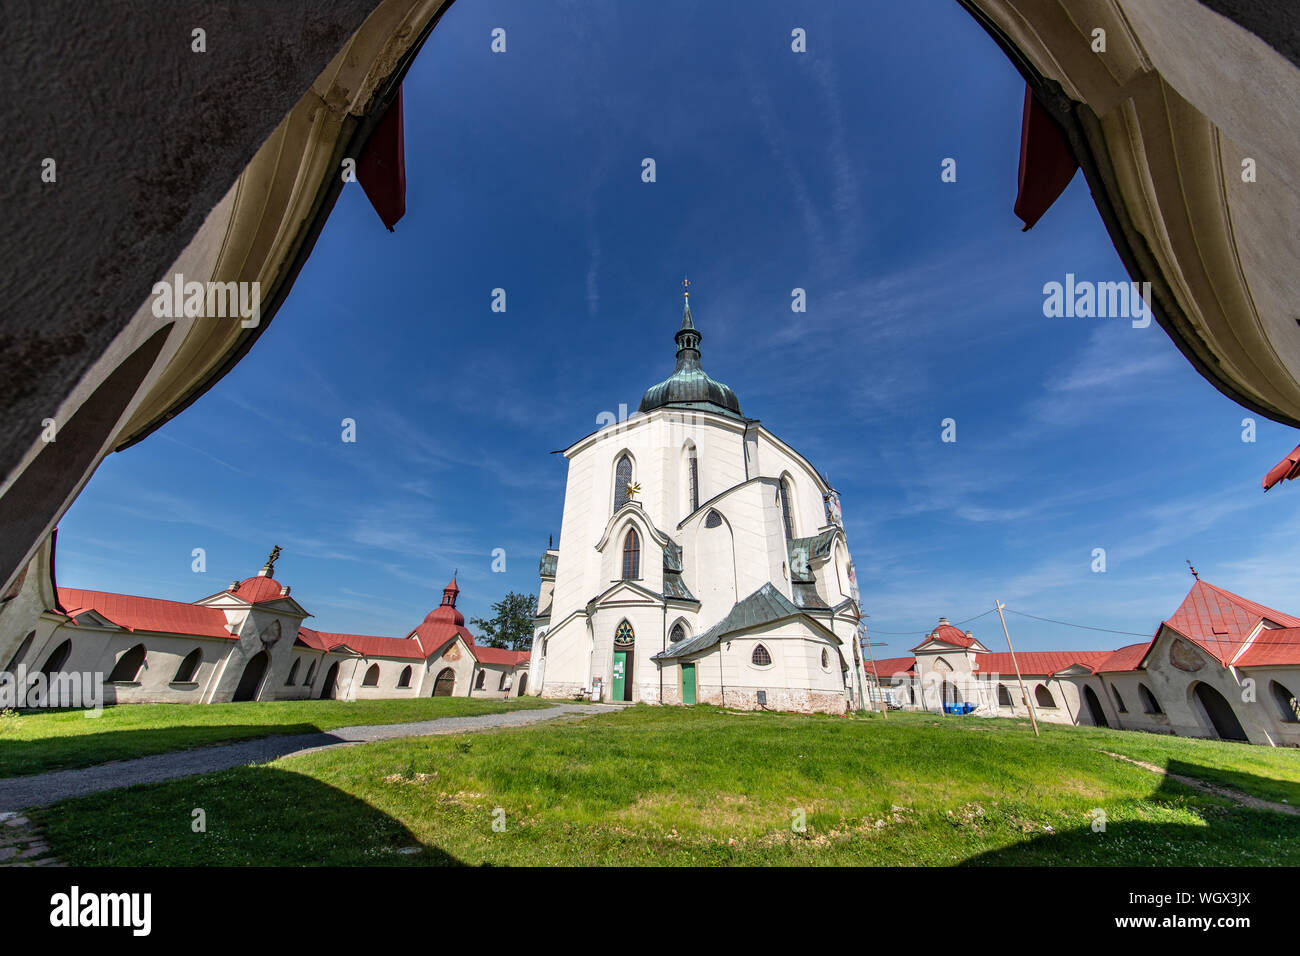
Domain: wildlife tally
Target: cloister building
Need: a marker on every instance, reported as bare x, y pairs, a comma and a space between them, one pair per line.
1221, 666
247, 642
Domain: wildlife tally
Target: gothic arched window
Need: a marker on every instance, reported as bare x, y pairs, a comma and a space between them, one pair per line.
54, 663
1044, 696
405, 679
760, 656
127, 668
622, 478
1286, 702
372, 677
678, 633
189, 667
1149, 703
785, 510
631, 555
293, 673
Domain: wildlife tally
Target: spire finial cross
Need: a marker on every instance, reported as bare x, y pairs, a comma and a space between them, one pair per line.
1192, 569
686, 288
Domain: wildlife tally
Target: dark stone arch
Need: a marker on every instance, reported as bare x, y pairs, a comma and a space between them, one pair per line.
60, 467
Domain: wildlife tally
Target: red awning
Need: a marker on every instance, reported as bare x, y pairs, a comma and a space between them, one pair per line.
1285, 469
1047, 163
381, 170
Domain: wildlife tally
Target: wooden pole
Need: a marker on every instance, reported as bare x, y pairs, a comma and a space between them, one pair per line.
1020, 680
884, 708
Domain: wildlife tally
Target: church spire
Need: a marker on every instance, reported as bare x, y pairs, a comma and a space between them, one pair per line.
687, 337
451, 591
690, 385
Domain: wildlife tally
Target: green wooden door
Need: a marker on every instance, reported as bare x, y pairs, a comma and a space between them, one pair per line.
688, 683
620, 674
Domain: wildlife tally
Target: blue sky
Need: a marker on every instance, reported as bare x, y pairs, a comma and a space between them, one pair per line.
775, 170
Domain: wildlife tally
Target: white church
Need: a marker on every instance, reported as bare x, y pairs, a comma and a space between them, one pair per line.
701, 560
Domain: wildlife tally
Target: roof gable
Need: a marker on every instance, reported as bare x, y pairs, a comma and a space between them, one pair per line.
946, 634
1220, 622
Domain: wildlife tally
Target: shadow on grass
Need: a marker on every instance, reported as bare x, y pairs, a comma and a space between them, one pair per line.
252, 816
1229, 834
20, 758
1267, 788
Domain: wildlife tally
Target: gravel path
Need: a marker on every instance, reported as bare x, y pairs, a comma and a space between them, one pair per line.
42, 790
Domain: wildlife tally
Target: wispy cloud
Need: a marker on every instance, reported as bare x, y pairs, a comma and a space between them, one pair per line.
1119, 365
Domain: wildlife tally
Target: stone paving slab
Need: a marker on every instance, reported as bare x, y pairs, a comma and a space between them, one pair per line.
22, 844
45, 789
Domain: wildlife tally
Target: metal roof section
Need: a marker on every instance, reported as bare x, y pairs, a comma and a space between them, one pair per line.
764, 606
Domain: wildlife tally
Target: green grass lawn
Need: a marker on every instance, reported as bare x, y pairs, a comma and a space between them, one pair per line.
701, 786
34, 742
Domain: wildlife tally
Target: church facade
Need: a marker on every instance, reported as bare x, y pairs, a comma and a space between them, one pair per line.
701, 560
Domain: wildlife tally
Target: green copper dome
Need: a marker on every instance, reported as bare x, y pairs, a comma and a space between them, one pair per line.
690, 386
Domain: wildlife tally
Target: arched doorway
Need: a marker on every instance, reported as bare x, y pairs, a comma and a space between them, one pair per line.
445, 685
254, 672
624, 653
327, 686
1094, 708
1219, 713
523, 684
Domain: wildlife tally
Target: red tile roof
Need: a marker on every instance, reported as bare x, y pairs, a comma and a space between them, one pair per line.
1037, 662
369, 645
310, 638
498, 655
146, 614
435, 635
947, 634
1220, 622
258, 590
1287, 468
1274, 647
889, 666
1125, 659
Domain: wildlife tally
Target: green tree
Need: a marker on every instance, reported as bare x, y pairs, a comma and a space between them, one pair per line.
513, 625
